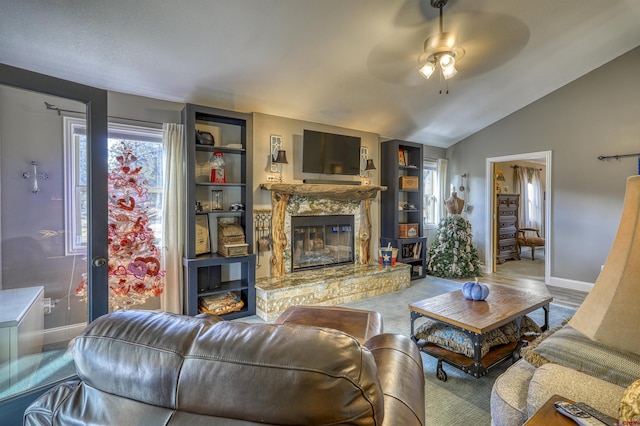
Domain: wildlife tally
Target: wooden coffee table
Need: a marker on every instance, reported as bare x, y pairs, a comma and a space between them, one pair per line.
476, 318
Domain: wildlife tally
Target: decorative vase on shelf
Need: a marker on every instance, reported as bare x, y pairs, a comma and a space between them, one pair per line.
217, 168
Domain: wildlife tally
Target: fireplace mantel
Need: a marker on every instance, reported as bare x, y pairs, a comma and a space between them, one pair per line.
327, 191
282, 192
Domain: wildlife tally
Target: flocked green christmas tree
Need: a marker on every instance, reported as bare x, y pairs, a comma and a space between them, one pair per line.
452, 254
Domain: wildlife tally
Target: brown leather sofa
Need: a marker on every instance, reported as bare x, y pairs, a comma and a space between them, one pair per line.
153, 368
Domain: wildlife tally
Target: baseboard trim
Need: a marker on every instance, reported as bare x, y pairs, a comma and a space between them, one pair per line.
571, 284
62, 334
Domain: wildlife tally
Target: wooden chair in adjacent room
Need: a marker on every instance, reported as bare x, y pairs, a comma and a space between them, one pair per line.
530, 237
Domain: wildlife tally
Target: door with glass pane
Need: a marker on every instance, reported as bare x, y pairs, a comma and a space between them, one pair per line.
40, 310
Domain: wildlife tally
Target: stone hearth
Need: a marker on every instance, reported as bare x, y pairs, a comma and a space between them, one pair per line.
328, 286
331, 285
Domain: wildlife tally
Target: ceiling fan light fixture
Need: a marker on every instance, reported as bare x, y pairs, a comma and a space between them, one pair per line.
449, 71
427, 69
440, 49
447, 60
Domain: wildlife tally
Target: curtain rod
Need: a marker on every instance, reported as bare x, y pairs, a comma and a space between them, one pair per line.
617, 157
60, 110
517, 167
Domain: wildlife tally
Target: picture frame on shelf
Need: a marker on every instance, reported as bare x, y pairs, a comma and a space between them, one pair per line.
401, 158
203, 244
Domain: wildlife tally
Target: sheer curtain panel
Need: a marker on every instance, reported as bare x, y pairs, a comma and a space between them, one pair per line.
174, 197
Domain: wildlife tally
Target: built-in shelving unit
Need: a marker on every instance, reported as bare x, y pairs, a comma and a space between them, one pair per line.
207, 273
402, 203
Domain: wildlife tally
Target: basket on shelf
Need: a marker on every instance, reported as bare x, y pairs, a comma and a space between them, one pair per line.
220, 304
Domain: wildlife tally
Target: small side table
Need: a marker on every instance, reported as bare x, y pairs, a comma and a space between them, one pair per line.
547, 415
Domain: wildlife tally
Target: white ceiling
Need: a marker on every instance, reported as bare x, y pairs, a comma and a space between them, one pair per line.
349, 63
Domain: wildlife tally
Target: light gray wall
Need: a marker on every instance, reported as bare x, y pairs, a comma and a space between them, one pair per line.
598, 114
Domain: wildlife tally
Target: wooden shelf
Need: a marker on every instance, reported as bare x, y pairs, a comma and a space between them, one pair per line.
211, 273
390, 174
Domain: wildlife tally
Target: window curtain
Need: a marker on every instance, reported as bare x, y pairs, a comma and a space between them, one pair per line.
528, 183
536, 218
441, 173
174, 197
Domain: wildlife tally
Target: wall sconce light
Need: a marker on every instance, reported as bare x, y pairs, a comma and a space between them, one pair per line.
276, 145
280, 159
370, 165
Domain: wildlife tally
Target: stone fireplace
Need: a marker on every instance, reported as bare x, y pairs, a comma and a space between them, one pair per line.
316, 207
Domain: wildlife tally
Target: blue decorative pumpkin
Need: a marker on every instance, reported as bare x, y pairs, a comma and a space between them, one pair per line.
475, 290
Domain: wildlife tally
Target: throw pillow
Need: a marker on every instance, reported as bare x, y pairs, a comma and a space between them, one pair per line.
528, 327
630, 404
572, 349
458, 341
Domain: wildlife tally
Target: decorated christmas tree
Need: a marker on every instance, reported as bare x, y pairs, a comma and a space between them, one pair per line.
452, 254
135, 273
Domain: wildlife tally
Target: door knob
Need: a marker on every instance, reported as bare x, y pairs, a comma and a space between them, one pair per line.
99, 261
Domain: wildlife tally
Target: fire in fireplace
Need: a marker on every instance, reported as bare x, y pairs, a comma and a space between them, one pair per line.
320, 241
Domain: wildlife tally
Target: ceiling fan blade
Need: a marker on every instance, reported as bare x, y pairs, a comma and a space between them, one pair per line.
489, 40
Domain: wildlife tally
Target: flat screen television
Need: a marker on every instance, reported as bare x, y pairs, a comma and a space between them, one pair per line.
330, 154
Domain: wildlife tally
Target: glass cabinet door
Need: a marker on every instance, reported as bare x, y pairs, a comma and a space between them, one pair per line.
40, 311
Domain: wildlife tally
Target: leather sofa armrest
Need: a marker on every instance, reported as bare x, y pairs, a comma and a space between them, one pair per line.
42, 411
401, 376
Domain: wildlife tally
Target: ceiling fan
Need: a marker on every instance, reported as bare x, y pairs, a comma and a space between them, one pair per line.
485, 39
440, 51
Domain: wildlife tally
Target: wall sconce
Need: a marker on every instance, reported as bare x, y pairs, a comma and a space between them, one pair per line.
276, 145
367, 169
366, 163
370, 165
280, 159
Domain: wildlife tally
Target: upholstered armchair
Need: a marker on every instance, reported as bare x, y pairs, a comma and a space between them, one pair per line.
526, 239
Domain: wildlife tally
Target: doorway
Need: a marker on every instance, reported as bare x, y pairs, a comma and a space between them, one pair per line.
506, 165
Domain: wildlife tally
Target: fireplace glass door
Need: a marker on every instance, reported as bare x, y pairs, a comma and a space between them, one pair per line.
320, 241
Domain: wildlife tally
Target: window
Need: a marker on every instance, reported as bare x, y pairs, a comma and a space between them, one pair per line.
430, 194
147, 144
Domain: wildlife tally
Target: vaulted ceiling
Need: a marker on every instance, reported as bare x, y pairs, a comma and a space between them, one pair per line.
349, 63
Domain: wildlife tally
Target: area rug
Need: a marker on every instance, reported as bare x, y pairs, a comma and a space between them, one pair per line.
462, 399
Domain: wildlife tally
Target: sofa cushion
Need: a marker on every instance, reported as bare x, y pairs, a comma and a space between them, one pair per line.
553, 379
261, 373
572, 349
509, 395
